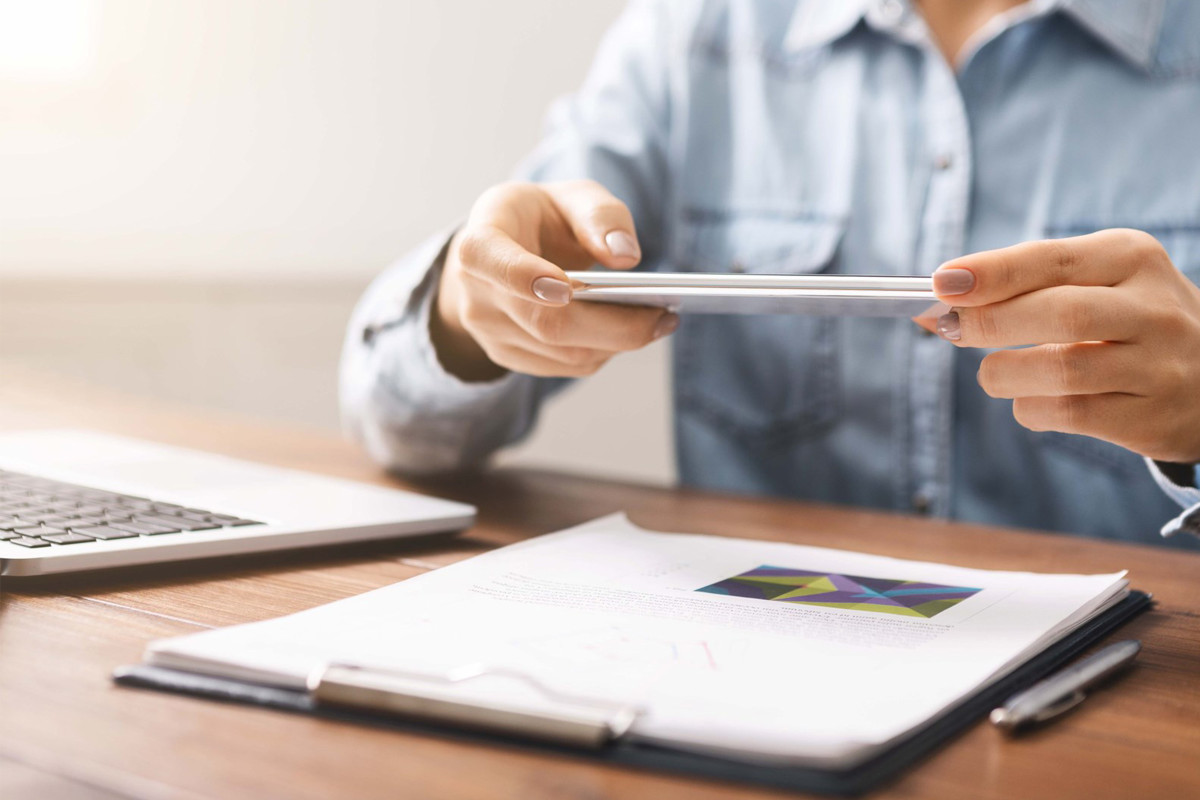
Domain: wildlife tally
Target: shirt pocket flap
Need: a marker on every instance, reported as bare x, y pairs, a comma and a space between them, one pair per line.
759, 244
772, 376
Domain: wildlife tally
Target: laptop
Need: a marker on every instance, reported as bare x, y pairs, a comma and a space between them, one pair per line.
80, 500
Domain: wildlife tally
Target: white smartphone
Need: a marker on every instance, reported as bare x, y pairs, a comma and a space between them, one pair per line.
703, 293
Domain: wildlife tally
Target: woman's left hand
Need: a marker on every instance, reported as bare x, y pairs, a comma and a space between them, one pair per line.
1113, 330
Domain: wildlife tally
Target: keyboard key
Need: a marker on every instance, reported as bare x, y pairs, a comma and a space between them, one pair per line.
37, 511
38, 517
37, 531
104, 532
194, 525
144, 529
179, 523
135, 504
68, 538
94, 496
29, 541
56, 520
30, 511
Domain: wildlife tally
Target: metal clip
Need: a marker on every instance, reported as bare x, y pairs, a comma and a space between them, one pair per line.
563, 718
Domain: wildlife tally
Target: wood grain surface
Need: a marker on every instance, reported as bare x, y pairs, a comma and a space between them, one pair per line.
67, 732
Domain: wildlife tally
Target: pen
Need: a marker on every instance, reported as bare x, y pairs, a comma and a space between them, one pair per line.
1058, 693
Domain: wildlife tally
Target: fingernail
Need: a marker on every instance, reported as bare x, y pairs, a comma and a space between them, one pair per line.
666, 325
953, 281
622, 245
552, 290
949, 327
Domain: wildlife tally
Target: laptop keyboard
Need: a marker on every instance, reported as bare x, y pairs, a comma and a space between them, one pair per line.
39, 512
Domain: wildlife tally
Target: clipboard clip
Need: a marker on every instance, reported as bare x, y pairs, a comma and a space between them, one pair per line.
554, 716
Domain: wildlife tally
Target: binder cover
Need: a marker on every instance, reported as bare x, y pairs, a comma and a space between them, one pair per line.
871, 774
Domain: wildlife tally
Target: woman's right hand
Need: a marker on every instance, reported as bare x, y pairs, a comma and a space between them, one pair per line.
504, 302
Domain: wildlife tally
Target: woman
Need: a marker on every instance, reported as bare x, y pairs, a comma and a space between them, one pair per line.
1053, 142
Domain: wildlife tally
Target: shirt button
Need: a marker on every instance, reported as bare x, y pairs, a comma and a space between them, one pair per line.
921, 503
891, 10
943, 161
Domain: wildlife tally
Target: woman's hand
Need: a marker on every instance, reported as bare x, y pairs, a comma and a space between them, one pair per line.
504, 303
1114, 335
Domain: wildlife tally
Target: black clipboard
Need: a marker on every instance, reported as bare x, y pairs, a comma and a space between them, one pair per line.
866, 776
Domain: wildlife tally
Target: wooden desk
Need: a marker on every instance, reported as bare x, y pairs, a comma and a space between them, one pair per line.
66, 731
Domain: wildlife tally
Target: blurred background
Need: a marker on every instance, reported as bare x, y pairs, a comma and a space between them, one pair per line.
194, 193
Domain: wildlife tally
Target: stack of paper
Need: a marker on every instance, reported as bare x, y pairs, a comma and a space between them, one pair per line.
764, 651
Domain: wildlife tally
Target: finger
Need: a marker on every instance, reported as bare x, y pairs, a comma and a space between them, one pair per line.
551, 333
487, 322
601, 326
1104, 416
928, 318
514, 336
601, 223
1104, 258
520, 359
489, 255
1061, 314
1060, 370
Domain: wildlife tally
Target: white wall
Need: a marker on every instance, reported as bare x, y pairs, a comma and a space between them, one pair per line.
195, 190
280, 137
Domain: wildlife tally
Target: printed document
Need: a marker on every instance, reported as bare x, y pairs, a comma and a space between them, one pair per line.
756, 650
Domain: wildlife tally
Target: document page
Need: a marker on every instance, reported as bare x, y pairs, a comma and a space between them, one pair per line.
755, 649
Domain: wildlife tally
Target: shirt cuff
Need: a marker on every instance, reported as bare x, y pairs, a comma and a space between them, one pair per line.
439, 390
1186, 496
390, 344
398, 399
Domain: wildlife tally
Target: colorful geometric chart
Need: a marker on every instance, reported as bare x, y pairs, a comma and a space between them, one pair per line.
881, 595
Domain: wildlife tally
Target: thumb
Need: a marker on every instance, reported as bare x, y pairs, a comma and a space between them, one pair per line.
601, 223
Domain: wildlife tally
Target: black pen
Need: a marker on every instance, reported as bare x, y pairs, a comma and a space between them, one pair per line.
1058, 693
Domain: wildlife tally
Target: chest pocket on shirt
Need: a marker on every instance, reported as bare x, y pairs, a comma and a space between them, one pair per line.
763, 376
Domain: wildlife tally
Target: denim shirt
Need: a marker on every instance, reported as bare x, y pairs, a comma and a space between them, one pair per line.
834, 137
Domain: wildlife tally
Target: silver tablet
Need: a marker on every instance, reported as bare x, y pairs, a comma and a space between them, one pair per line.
703, 293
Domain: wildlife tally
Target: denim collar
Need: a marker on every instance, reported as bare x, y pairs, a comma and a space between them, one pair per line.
1130, 28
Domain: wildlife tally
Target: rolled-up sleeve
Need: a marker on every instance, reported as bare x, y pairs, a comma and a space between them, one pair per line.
396, 398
